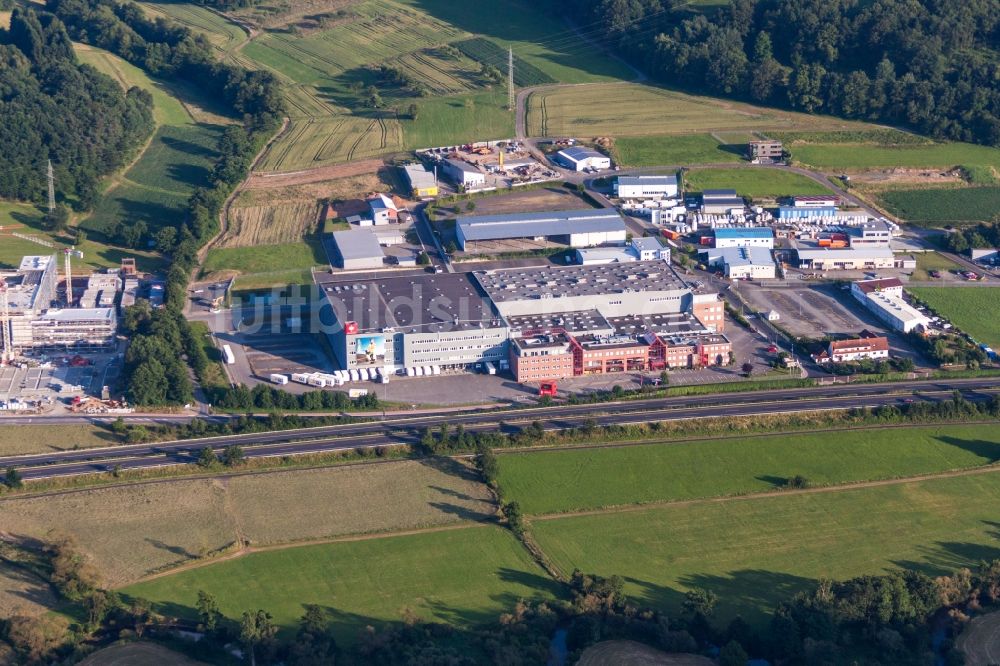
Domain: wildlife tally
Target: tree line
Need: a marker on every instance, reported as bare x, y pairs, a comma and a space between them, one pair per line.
983, 235
931, 65
55, 108
167, 49
878, 619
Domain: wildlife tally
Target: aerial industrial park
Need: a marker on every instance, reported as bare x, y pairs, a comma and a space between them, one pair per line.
629, 279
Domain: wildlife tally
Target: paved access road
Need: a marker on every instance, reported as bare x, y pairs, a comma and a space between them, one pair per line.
407, 430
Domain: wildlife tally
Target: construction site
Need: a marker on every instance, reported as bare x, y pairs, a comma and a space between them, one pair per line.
486, 165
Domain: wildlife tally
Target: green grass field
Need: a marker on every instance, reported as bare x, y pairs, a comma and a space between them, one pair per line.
26, 219
751, 182
868, 156
569, 480
462, 577
940, 206
972, 309
755, 552
675, 150
267, 258
931, 261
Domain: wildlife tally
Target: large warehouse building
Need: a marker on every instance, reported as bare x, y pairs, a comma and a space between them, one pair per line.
579, 158
575, 228
744, 237
358, 249
646, 187
720, 202
885, 299
828, 259
631, 317
742, 263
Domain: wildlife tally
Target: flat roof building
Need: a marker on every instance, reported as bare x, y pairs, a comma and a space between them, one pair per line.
826, 259
358, 249
641, 287
646, 187
720, 202
416, 320
645, 248
75, 329
764, 151
422, 182
579, 158
744, 237
742, 263
575, 228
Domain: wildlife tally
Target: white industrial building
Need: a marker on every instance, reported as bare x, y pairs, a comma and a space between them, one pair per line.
646, 187
871, 233
359, 249
846, 351
579, 158
638, 249
885, 299
575, 228
463, 174
742, 263
762, 237
827, 259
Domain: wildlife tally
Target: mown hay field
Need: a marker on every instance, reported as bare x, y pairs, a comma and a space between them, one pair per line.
578, 479
461, 577
314, 142
938, 206
753, 552
133, 530
759, 183
975, 310
251, 226
21, 592
439, 73
628, 109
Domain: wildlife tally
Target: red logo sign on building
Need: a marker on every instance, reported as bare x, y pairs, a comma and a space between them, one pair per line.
350, 327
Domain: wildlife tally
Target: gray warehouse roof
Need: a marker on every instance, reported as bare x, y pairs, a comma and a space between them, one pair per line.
708, 195
846, 253
522, 225
741, 256
419, 176
565, 281
647, 180
463, 165
357, 244
413, 303
574, 321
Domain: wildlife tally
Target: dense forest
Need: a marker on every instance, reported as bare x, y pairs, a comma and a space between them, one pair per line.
932, 65
55, 108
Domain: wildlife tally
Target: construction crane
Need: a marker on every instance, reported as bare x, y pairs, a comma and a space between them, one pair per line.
6, 351
67, 253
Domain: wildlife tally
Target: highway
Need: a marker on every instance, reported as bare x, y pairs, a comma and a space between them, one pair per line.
407, 430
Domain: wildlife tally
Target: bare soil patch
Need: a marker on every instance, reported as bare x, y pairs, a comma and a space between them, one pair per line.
318, 175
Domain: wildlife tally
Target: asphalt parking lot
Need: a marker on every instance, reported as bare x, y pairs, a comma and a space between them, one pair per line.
44, 383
